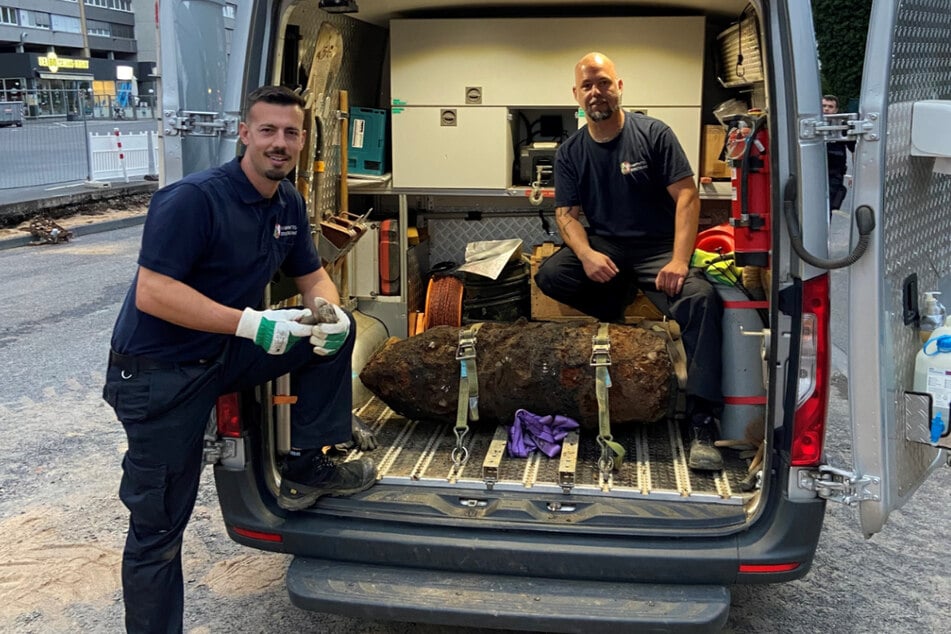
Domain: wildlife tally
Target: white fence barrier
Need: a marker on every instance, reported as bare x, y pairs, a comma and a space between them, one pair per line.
114, 156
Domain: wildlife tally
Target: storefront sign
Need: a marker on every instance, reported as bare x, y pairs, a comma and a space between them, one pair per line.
53, 62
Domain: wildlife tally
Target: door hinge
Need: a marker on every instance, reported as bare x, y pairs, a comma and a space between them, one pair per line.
839, 485
846, 126
195, 123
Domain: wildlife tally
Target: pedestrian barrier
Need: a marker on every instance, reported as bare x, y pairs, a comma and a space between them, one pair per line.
118, 156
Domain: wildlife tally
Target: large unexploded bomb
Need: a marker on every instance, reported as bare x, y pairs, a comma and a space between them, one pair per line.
543, 367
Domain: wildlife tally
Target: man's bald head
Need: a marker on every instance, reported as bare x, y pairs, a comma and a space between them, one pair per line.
594, 62
597, 88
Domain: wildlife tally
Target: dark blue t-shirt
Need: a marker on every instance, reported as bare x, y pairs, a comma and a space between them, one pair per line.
621, 185
214, 232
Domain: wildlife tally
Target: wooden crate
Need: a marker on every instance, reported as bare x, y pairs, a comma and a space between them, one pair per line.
714, 138
545, 308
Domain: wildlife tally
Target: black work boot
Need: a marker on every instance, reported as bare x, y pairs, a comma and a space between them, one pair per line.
309, 474
703, 455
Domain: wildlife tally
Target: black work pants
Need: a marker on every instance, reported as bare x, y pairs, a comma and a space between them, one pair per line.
837, 192
697, 309
164, 409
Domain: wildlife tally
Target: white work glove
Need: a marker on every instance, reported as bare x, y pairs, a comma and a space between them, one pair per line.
274, 330
331, 328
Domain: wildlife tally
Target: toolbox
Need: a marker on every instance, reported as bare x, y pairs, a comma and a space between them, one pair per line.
365, 154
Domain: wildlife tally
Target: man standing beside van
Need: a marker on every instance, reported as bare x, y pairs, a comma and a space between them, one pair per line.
836, 158
190, 330
629, 176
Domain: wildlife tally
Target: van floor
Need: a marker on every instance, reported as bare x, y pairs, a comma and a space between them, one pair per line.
420, 453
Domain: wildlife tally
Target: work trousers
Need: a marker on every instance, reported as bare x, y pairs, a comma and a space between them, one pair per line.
837, 192
697, 309
164, 409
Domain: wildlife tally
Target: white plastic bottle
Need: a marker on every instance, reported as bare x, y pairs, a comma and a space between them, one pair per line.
933, 371
932, 317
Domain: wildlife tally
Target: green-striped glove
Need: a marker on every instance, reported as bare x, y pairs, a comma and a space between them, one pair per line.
330, 332
274, 330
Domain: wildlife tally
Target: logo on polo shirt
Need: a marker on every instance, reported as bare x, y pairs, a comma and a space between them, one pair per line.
284, 230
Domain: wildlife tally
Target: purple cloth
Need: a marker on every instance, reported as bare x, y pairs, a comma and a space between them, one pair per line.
531, 431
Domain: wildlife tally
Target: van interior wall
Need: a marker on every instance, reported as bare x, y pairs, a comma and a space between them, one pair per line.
363, 74
454, 220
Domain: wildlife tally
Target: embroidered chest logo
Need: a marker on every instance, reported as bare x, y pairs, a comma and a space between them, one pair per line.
629, 168
284, 230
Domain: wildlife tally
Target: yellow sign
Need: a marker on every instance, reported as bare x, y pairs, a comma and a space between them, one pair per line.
54, 62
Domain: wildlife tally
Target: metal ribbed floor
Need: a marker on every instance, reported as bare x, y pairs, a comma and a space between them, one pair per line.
655, 467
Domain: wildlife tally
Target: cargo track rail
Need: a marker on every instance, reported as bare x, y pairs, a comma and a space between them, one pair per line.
418, 453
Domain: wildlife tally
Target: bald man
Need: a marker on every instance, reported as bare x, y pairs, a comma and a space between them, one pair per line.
629, 176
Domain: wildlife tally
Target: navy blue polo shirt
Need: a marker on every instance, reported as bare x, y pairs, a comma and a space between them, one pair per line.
621, 185
214, 232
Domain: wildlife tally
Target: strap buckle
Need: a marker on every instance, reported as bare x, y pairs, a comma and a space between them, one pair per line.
600, 350
466, 348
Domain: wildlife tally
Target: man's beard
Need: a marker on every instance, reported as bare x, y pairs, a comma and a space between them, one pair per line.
607, 113
278, 174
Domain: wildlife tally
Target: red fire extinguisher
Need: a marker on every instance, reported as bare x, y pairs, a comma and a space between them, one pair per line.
748, 148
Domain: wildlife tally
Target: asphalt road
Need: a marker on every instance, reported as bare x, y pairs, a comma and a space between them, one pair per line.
63, 525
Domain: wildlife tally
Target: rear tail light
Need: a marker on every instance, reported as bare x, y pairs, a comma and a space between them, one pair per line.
258, 535
768, 568
813, 389
228, 415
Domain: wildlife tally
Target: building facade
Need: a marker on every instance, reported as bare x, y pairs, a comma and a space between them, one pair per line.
70, 58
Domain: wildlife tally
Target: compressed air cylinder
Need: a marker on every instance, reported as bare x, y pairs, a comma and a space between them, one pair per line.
744, 389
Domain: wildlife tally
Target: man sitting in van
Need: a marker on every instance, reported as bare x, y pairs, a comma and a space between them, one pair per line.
630, 177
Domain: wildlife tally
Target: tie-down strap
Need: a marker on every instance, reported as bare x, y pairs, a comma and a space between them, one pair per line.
468, 404
670, 331
612, 452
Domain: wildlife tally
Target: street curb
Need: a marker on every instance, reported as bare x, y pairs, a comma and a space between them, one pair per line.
19, 210
81, 230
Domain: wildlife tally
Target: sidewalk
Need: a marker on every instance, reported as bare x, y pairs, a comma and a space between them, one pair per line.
19, 204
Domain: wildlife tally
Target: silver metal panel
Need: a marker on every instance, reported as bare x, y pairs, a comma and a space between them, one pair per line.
911, 205
450, 236
915, 213
192, 31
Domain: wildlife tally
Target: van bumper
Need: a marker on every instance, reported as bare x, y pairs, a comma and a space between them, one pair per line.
503, 601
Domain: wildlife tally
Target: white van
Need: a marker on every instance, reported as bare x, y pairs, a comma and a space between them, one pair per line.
533, 543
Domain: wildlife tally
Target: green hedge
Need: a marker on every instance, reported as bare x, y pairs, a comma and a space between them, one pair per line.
841, 29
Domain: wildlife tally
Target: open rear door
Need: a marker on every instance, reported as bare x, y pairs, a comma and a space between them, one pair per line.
912, 237
201, 82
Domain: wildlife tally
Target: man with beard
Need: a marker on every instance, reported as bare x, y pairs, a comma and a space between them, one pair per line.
629, 176
190, 330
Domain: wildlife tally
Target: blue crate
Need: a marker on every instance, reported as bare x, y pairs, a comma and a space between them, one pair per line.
367, 143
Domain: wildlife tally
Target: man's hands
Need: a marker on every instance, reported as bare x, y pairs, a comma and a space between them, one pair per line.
598, 267
671, 278
327, 326
330, 327
274, 330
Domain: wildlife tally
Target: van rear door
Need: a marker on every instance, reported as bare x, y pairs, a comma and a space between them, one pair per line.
910, 203
201, 82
